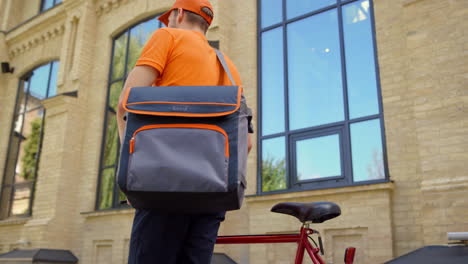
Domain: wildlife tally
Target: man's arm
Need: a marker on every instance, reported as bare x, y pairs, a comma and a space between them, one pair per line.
140, 76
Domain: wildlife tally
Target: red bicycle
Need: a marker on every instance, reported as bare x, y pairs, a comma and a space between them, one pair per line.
307, 213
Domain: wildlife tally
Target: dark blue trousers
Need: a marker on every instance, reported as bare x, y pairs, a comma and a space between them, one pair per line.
163, 238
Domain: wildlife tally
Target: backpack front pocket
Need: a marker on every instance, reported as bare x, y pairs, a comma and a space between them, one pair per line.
178, 158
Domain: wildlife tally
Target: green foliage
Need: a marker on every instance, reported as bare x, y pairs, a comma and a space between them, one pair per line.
30, 150
273, 174
107, 189
112, 145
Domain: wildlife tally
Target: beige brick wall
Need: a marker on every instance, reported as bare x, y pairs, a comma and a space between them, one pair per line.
16, 12
423, 66
423, 71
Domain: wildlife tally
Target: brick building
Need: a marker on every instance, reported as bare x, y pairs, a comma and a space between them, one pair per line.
359, 102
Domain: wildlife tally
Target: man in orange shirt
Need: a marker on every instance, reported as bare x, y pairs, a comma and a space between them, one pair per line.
178, 55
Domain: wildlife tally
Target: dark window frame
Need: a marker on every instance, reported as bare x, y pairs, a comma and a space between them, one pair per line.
25, 78
115, 192
344, 125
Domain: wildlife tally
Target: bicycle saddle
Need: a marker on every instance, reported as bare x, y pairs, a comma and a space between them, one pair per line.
317, 212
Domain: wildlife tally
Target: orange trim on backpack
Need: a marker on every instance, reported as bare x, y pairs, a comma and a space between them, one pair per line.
196, 126
239, 93
132, 145
182, 103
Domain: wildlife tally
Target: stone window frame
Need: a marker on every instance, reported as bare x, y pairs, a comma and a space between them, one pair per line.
5, 211
339, 128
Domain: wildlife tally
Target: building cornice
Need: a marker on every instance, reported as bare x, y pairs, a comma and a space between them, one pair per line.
34, 32
107, 6
35, 40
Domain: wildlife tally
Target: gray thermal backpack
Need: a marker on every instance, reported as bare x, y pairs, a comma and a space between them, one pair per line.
185, 147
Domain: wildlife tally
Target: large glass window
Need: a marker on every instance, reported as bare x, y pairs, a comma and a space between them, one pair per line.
24, 150
126, 49
321, 116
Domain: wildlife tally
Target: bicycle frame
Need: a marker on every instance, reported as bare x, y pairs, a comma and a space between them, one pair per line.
301, 239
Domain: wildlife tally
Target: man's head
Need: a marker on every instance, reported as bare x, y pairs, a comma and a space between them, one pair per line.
191, 13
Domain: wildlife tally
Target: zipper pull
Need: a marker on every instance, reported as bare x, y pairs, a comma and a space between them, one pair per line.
132, 145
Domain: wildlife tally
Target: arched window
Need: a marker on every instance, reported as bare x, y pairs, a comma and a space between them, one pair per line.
126, 49
25, 140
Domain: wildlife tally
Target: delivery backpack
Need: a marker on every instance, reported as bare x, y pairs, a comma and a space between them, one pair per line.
185, 147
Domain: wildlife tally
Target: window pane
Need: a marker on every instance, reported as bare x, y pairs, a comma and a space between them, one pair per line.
273, 164
112, 141
272, 12
107, 188
318, 158
29, 146
21, 104
21, 198
18, 124
53, 79
272, 82
39, 82
360, 64
58, 2
314, 68
114, 94
118, 62
366, 145
46, 4
299, 7
139, 35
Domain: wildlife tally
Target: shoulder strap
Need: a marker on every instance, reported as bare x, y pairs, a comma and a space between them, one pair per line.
224, 64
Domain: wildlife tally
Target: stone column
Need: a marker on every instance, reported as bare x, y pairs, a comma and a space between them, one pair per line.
7, 107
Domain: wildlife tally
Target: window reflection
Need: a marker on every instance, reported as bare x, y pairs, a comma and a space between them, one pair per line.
272, 82
46, 4
53, 79
114, 95
29, 146
314, 68
360, 65
137, 36
315, 91
21, 103
23, 156
366, 145
118, 60
112, 141
39, 83
272, 12
107, 188
300, 7
21, 198
318, 158
273, 164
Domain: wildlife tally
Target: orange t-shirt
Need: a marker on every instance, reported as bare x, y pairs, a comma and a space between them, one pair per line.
184, 58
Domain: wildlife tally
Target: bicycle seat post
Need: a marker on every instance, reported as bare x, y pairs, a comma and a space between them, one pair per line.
306, 224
